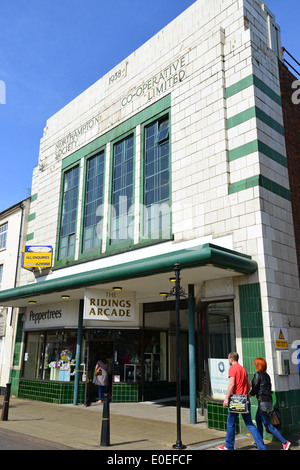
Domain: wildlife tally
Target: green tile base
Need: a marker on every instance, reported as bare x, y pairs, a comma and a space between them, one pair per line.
62, 392
217, 416
126, 393
48, 391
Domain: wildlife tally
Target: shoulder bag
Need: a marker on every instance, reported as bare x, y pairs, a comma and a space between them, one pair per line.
238, 404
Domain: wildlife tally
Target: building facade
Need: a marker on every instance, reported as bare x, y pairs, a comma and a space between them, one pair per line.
178, 155
13, 223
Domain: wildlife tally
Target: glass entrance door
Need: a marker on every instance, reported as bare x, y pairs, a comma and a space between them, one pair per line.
98, 346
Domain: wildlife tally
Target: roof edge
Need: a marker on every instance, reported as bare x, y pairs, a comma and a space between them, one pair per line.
202, 255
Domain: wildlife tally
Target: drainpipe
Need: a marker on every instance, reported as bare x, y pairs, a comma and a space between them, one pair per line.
13, 340
19, 255
192, 354
78, 353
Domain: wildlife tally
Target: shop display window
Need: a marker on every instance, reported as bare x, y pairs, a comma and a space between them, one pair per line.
135, 355
220, 342
33, 357
155, 356
127, 358
51, 355
131, 347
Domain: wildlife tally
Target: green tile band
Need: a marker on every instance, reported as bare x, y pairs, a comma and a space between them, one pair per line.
252, 113
249, 81
31, 216
257, 146
30, 236
262, 181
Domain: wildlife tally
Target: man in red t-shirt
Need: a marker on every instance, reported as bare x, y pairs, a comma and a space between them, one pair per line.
239, 384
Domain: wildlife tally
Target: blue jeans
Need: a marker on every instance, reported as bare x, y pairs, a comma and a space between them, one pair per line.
261, 419
101, 390
230, 436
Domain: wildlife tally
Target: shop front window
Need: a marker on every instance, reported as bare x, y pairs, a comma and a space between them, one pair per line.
33, 357
50, 355
221, 341
155, 356
137, 353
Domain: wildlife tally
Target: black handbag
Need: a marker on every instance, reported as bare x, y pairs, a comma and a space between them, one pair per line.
238, 404
266, 407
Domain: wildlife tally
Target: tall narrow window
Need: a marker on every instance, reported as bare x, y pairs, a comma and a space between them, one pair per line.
93, 203
3, 235
157, 180
273, 32
1, 274
122, 191
220, 338
69, 214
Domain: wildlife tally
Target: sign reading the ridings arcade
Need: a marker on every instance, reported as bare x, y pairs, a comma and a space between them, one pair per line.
107, 305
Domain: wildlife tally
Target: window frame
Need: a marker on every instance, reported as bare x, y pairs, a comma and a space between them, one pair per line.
134, 124
1, 274
129, 242
206, 337
158, 236
67, 259
95, 251
3, 235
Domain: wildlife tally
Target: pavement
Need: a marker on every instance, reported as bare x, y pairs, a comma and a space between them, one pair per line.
132, 427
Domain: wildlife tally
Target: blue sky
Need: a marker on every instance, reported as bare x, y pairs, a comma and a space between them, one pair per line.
51, 51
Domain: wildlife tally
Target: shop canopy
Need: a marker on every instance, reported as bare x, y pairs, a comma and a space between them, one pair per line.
147, 276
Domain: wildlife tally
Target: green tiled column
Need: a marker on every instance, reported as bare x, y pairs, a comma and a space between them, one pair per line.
251, 325
15, 374
253, 345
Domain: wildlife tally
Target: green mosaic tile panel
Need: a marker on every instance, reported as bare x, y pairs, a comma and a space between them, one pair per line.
126, 393
217, 416
18, 341
251, 325
288, 403
51, 392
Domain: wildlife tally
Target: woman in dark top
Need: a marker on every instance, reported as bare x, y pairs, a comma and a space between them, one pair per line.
261, 388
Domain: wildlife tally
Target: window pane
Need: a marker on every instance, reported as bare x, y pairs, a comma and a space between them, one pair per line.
1, 274
93, 203
220, 320
3, 235
60, 355
128, 356
33, 358
221, 341
122, 190
156, 180
69, 214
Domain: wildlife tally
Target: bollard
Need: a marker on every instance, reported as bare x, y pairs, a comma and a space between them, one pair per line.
105, 437
4, 414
